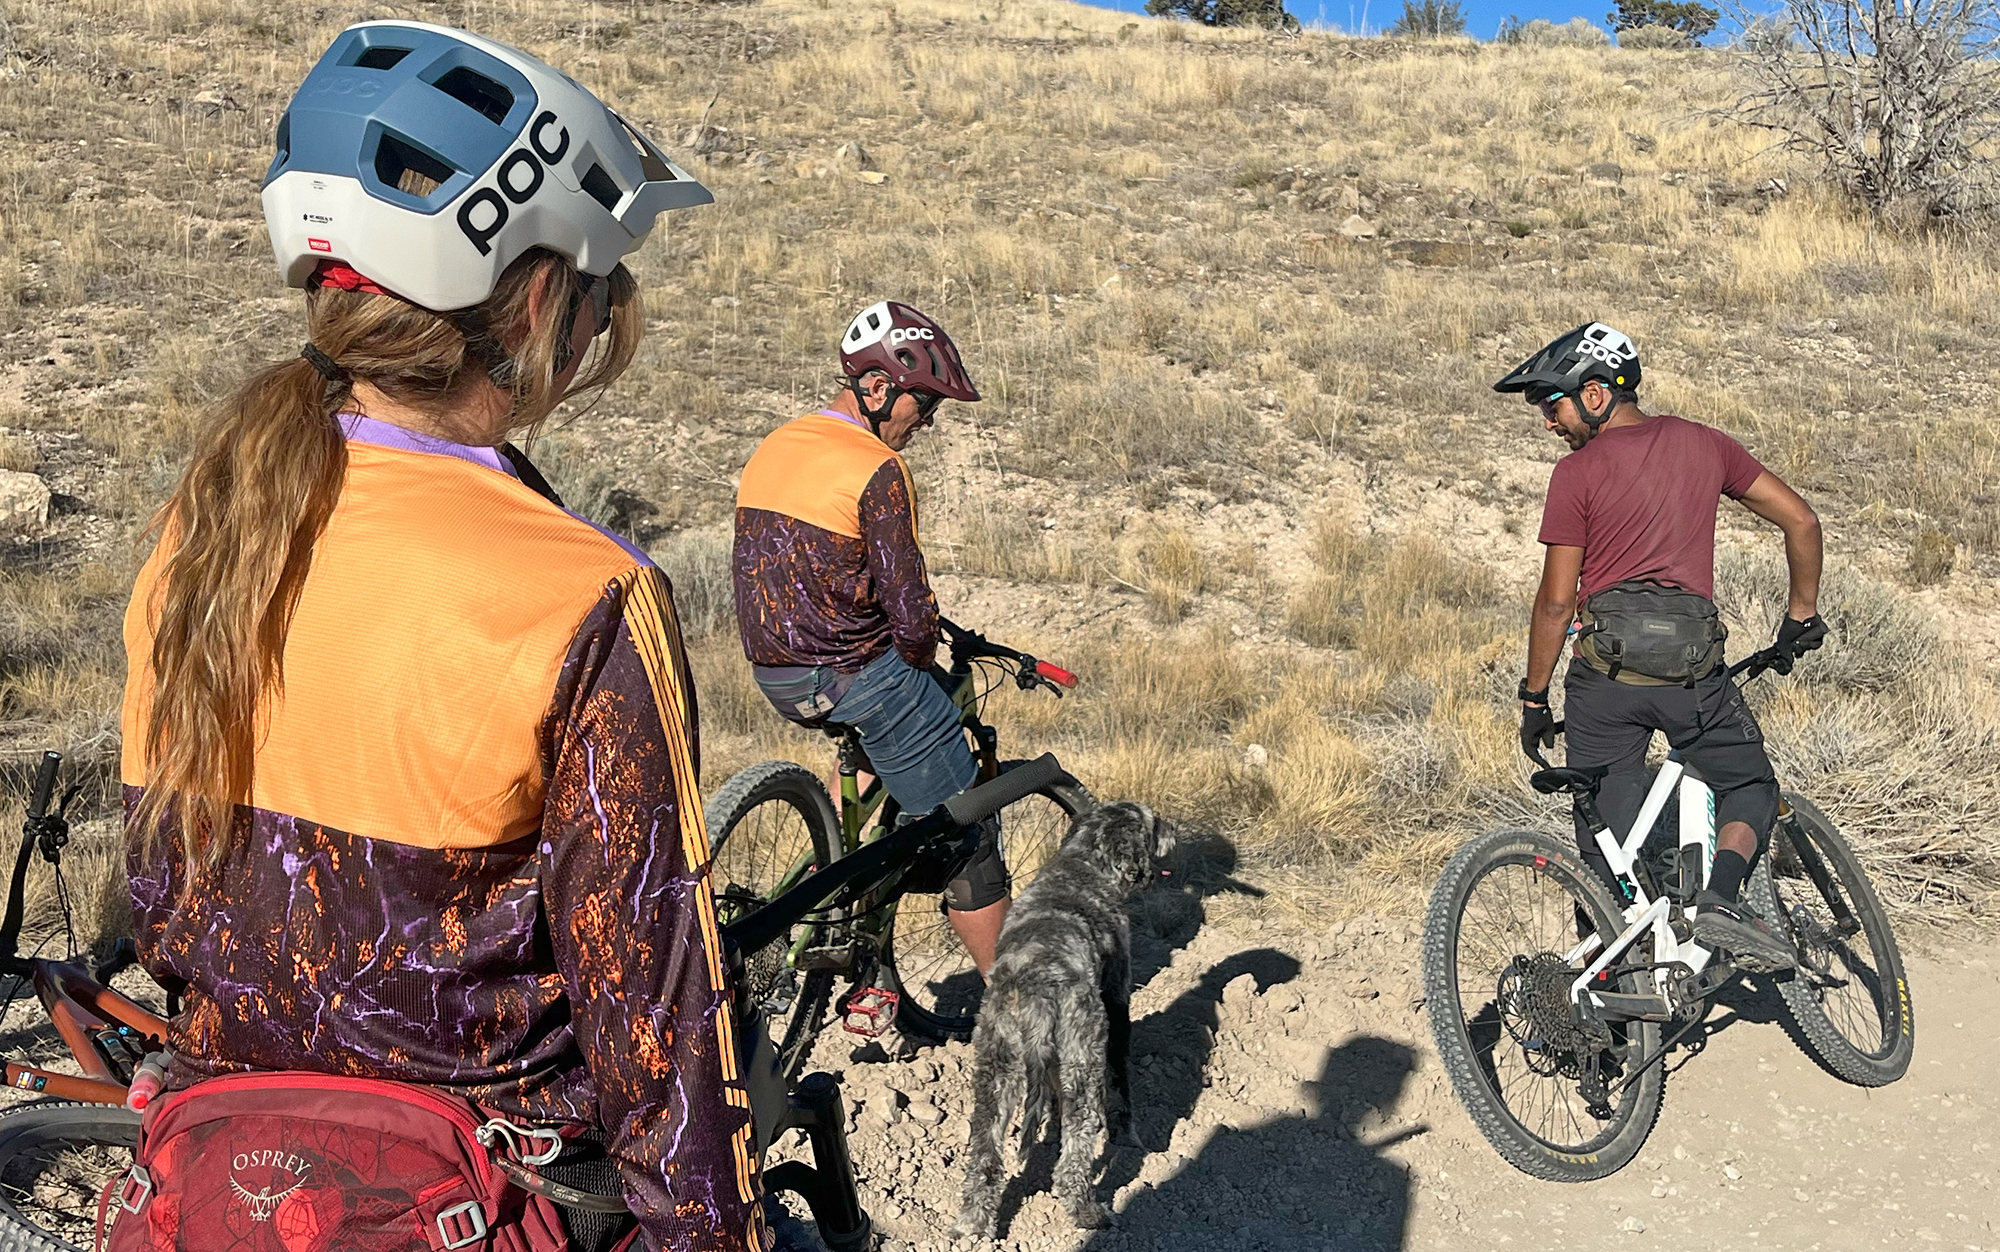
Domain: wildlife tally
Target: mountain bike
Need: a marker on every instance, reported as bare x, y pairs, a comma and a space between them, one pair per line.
1554, 1004
773, 825
57, 1152
929, 845
58, 1157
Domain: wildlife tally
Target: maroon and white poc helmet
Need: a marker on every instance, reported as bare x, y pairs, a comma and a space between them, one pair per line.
910, 348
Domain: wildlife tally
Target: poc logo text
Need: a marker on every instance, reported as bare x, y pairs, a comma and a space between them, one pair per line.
520, 176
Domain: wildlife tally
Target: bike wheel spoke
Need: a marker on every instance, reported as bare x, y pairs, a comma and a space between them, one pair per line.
1517, 911
59, 1192
933, 965
1030, 832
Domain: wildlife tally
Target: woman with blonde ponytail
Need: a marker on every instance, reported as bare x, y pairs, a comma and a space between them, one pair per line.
410, 750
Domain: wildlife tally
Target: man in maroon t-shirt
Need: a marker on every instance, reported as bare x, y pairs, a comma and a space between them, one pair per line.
1635, 502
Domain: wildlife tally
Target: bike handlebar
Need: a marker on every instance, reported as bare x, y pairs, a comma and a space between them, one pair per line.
1018, 783
1055, 674
1029, 672
45, 786
875, 861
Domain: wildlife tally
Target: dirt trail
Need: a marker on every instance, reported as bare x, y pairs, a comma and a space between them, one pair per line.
1290, 1099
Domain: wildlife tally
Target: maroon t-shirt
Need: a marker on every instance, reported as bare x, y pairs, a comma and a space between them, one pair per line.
1640, 501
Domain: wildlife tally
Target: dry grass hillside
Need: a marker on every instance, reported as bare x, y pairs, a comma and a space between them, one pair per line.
1239, 469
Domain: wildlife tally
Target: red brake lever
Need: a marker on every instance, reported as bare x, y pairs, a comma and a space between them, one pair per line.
1055, 674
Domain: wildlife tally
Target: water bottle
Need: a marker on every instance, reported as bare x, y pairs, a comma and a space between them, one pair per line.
147, 1081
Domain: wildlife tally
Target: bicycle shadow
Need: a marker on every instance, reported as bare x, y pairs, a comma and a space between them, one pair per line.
1361, 1199
1178, 1039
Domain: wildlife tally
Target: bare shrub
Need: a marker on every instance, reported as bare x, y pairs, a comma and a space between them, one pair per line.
1654, 38
1895, 102
697, 563
1885, 729
1577, 32
1932, 554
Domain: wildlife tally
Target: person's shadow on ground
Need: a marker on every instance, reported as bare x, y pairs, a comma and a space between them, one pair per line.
1244, 1192
1177, 1039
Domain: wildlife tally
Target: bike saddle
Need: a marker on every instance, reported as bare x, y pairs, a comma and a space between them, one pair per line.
1574, 781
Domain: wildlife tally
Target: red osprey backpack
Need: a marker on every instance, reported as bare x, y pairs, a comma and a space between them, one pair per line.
301, 1162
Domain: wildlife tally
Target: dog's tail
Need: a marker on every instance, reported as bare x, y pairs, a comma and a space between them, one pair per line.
1039, 1066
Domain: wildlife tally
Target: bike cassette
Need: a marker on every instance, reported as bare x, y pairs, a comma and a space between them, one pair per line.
869, 1012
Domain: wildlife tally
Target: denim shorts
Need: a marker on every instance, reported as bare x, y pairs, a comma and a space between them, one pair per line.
911, 731
915, 742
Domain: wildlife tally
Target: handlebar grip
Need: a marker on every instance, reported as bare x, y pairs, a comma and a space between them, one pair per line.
1055, 674
1018, 783
45, 786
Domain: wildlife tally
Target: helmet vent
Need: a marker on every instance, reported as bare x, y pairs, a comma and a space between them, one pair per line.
601, 188
907, 357
477, 92
408, 169
380, 58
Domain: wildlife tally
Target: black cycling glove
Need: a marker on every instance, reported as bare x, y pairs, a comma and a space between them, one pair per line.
1538, 729
1795, 639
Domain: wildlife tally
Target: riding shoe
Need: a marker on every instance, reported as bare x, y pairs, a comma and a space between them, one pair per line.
1743, 937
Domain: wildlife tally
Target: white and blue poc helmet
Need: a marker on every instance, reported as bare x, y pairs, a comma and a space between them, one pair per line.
429, 160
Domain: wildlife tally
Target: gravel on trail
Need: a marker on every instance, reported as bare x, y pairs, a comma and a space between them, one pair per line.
1288, 1098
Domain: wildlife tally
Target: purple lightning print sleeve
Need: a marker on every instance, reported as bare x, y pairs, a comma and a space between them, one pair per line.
888, 511
632, 919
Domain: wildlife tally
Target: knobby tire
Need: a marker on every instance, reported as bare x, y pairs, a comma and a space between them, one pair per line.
1835, 976
1529, 856
54, 1161
777, 802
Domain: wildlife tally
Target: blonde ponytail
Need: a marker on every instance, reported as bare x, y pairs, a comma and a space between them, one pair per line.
239, 530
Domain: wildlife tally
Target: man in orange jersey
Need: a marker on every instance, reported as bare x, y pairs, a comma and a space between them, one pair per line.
832, 597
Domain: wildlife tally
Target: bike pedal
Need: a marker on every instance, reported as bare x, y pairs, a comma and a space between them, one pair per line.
869, 1012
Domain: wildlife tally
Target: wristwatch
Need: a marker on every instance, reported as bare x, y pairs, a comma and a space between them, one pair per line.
1531, 697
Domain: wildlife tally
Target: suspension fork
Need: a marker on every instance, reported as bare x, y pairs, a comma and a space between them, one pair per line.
1815, 867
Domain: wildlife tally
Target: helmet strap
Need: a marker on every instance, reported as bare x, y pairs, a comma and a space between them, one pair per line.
1595, 420
875, 416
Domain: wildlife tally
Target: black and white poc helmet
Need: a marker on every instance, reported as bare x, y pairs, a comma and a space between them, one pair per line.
1564, 366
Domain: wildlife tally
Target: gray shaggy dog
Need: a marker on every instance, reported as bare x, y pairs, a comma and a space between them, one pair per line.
1057, 1014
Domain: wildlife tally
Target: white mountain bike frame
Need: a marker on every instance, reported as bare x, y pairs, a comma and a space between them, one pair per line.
1697, 854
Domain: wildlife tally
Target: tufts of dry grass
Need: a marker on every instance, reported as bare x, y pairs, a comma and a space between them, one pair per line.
1132, 229
1885, 728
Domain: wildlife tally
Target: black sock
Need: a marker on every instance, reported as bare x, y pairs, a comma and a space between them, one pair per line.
1726, 875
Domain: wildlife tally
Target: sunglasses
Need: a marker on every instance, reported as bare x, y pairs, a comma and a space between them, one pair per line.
927, 403
1545, 399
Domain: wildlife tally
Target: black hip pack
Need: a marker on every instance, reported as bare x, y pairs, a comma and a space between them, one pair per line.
1649, 634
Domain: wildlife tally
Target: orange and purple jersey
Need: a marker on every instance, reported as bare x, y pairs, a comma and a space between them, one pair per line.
828, 569
473, 855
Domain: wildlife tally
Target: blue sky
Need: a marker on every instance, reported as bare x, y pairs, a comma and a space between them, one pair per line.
1482, 17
